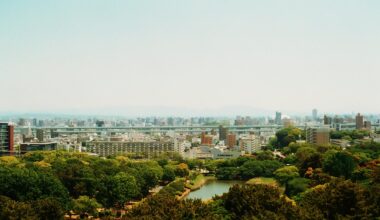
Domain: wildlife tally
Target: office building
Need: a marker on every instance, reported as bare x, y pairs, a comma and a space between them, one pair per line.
278, 120
359, 121
319, 136
6, 139
223, 133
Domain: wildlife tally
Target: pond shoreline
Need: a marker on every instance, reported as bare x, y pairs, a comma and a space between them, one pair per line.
210, 188
200, 183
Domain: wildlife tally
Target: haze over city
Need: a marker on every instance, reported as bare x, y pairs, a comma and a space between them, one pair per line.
189, 58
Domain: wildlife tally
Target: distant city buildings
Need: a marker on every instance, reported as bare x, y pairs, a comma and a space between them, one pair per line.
359, 121
315, 114
6, 139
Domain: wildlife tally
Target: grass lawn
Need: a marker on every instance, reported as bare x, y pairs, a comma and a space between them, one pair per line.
263, 180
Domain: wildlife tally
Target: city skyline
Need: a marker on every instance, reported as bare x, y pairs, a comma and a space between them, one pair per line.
189, 58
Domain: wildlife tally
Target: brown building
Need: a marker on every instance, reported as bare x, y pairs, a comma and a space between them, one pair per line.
6, 139
319, 136
231, 140
359, 121
206, 139
367, 125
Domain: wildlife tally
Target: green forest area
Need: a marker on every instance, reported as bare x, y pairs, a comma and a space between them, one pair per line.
308, 182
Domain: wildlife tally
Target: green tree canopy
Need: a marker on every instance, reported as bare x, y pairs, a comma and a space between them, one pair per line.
284, 174
339, 164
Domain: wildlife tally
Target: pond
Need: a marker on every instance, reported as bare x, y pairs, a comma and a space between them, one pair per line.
212, 188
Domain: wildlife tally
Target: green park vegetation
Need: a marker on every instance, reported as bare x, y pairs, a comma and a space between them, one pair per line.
310, 182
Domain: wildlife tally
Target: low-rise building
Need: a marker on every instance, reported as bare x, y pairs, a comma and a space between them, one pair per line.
147, 148
38, 146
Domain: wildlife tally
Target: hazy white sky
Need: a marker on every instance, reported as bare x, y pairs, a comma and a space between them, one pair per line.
277, 55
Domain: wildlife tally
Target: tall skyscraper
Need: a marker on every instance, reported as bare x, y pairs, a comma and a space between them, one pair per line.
319, 136
223, 133
40, 135
278, 118
359, 121
6, 139
315, 114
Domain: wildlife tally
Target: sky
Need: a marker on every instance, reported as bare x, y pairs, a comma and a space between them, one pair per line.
189, 57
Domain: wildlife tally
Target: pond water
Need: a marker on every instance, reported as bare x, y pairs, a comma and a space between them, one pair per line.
212, 188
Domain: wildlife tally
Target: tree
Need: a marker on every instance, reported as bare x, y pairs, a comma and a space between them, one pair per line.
168, 173
339, 199
48, 208
86, 205
284, 174
287, 135
23, 184
339, 164
265, 155
164, 206
304, 153
10, 210
182, 170
76, 175
117, 190
259, 201
296, 186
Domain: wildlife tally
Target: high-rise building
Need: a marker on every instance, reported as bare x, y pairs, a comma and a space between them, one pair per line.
40, 135
6, 139
327, 120
278, 120
223, 133
34, 122
315, 114
231, 140
320, 136
359, 121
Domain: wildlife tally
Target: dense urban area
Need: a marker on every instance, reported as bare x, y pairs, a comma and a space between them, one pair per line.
320, 166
